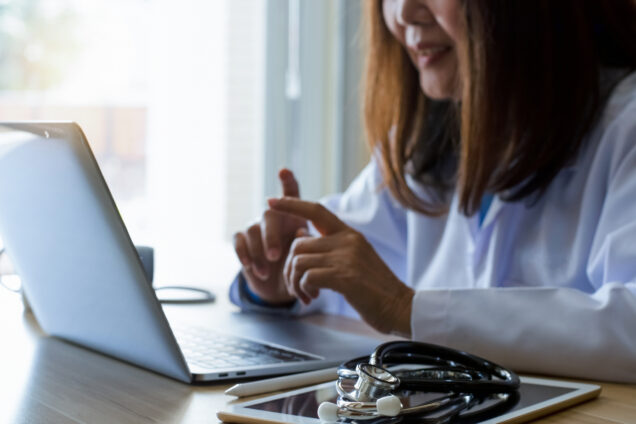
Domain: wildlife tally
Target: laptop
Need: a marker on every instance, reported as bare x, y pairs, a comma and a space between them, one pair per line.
86, 283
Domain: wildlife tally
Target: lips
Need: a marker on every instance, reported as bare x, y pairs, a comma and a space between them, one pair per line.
429, 55
432, 51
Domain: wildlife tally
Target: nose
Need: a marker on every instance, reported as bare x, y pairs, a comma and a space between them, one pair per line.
413, 12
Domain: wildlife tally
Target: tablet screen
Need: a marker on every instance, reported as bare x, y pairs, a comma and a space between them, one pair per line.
305, 404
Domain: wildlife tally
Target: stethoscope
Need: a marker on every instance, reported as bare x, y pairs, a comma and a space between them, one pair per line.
372, 387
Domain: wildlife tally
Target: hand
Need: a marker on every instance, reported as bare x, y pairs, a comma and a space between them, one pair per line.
263, 247
343, 260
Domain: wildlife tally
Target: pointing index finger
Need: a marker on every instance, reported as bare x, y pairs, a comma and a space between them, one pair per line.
324, 221
289, 183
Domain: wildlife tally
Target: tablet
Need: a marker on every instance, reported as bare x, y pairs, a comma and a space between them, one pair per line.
537, 397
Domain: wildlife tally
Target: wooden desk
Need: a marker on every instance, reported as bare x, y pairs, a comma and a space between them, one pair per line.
44, 380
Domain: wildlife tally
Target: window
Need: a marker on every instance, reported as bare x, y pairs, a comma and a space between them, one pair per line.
190, 108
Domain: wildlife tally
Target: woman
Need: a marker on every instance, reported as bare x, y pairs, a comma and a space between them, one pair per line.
498, 214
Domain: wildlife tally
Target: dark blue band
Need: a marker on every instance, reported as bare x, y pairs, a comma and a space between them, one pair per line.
255, 299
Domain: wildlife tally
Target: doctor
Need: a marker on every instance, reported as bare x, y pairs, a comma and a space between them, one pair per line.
498, 212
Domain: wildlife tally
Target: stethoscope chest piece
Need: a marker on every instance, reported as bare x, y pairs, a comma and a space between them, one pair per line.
374, 382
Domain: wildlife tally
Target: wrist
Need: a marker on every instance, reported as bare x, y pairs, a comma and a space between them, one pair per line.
257, 299
402, 313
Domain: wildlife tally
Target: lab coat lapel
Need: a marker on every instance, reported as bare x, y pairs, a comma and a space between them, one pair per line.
482, 234
493, 212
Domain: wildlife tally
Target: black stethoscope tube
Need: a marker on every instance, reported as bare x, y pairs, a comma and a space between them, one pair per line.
478, 372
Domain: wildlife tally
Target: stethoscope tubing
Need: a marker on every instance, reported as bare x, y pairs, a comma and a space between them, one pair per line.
404, 352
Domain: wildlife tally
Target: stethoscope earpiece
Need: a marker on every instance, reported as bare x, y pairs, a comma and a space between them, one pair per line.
389, 406
328, 412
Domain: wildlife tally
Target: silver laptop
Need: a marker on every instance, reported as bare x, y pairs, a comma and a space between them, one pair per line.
86, 284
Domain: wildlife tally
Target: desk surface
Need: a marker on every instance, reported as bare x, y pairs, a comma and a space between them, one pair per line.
46, 380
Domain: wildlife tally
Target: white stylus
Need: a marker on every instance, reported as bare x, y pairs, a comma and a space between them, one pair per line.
284, 382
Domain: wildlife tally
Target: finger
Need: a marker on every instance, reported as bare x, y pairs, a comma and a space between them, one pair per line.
240, 247
302, 232
302, 264
249, 276
324, 221
255, 248
271, 229
316, 278
307, 245
289, 183
311, 291
287, 266
295, 291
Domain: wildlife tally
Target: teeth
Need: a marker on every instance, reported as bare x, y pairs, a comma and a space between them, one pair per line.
432, 51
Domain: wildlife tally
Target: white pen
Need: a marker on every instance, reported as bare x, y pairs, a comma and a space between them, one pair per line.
284, 382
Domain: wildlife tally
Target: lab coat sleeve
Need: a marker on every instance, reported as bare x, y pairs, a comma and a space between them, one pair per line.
550, 330
369, 208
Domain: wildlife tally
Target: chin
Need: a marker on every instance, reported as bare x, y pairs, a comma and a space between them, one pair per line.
438, 90
435, 95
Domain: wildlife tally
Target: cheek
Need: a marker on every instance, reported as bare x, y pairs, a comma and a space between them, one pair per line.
450, 17
389, 13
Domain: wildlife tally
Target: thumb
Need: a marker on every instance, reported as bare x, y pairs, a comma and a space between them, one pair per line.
289, 183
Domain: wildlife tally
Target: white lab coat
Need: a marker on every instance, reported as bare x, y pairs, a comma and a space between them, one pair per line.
542, 287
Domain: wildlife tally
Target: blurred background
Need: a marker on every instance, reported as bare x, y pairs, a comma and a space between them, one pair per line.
191, 107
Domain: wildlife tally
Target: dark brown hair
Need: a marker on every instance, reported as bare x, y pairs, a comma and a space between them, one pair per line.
531, 72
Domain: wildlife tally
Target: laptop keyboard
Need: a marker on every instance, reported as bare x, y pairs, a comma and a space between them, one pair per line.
212, 350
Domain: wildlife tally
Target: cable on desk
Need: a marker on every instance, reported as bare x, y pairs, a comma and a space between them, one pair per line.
183, 295
193, 295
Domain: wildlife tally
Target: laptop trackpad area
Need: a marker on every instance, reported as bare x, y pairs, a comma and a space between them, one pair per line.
293, 333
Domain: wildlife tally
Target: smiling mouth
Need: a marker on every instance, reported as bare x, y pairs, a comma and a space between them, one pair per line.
426, 57
432, 51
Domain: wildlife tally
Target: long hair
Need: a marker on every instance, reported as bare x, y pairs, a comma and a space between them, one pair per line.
531, 91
